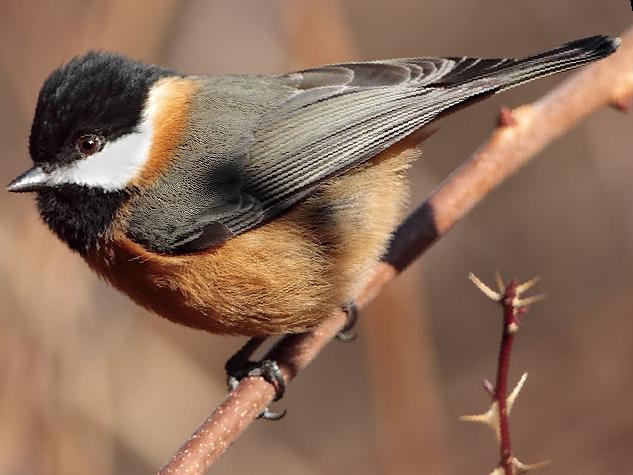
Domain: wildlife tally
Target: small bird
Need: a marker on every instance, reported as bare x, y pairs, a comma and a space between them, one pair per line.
246, 204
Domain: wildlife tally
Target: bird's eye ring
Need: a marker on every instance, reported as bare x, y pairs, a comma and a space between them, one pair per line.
89, 144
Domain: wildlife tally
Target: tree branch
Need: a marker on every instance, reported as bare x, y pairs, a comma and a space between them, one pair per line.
509, 325
497, 417
518, 137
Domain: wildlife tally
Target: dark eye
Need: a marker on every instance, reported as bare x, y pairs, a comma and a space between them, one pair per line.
89, 144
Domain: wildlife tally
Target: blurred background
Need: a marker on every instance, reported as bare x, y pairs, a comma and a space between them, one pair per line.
89, 383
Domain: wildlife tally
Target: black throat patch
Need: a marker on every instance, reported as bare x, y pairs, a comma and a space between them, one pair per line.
98, 93
82, 217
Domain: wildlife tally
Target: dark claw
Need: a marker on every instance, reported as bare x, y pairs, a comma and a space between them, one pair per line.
347, 334
269, 415
239, 366
269, 370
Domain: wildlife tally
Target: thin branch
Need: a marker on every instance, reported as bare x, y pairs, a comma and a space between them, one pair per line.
509, 325
497, 417
519, 136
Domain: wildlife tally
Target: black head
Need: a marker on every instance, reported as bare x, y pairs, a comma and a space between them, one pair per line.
90, 103
97, 93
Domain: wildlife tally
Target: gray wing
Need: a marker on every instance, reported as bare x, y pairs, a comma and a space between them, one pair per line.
342, 115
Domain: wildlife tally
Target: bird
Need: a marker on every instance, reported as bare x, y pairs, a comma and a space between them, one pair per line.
254, 205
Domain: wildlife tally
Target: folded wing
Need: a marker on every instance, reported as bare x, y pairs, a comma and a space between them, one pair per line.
342, 115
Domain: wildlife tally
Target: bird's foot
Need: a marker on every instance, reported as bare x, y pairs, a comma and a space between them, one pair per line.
239, 366
347, 333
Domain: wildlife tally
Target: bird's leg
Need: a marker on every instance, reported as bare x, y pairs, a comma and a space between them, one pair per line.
347, 333
240, 366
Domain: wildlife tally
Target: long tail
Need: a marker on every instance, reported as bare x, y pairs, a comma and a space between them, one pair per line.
512, 72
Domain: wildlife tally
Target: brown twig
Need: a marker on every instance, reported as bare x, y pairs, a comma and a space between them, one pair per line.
522, 134
498, 416
503, 368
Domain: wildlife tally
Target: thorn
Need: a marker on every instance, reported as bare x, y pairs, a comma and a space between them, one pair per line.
515, 392
490, 418
490, 389
506, 118
487, 291
497, 296
623, 104
519, 468
520, 303
525, 286
500, 285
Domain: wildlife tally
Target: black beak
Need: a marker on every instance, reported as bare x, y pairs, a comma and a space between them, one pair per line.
32, 180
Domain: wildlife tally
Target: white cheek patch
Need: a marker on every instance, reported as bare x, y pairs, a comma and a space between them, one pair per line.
114, 167
120, 161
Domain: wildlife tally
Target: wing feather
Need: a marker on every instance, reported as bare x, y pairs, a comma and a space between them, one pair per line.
339, 116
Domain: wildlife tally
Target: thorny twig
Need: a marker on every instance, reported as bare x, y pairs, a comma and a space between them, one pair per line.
512, 144
497, 417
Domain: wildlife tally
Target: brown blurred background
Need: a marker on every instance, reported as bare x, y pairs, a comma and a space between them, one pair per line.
89, 383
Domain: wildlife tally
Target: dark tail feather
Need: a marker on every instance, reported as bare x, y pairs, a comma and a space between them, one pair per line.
568, 56
511, 72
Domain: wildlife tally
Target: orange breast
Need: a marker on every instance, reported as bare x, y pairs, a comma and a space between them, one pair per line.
284, 276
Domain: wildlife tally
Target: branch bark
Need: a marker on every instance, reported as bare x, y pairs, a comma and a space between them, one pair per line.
518, 137
498, 416
509, 325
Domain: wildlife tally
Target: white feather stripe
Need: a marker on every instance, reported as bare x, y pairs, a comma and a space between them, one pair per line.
113, 167
119, 162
